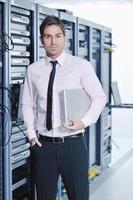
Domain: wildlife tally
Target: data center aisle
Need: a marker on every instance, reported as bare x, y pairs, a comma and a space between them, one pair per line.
116, 182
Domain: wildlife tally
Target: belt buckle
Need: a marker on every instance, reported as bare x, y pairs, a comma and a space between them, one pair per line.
58, 142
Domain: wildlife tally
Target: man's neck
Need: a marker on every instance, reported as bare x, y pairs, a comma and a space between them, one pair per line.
54, 57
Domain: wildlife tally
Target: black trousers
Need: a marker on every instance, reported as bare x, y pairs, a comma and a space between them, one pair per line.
70, 160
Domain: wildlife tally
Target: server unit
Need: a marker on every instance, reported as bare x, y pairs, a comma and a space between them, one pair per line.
42, 12
104, 139
70, 27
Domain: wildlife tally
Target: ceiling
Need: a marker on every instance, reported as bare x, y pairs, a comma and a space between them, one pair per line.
72, 2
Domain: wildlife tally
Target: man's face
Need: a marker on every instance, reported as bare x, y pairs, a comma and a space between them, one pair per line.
53, 40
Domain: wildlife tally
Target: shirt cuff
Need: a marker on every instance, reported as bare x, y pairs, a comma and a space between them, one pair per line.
87, 122
31, 134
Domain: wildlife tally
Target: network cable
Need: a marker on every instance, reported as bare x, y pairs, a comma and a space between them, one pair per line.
4, 110
4, 42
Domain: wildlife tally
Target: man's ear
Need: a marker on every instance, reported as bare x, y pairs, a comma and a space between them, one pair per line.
41, 39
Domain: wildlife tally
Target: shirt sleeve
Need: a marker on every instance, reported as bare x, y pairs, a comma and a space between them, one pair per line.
92, 86
29, 106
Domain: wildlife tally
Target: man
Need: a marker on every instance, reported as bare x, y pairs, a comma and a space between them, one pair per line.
58, 148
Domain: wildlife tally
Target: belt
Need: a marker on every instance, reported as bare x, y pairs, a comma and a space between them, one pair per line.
58, 140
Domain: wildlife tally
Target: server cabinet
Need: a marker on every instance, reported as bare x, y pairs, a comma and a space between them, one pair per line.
93, 44
23, 34
20, 24
104, 139
95, 59
41, 13
85, 49
70, 27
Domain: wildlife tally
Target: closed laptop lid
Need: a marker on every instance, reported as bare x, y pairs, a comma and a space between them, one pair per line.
76, 103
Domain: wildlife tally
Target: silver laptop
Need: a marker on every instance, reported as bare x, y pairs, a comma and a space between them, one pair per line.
76, 103
117, 98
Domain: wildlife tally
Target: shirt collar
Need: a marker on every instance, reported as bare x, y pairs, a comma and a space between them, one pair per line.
61, 58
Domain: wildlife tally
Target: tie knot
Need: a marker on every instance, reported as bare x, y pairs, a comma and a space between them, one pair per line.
54, 62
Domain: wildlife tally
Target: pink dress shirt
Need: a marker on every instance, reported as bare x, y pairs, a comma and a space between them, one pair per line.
71, 72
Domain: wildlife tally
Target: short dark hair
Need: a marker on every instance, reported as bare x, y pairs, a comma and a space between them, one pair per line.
51, 20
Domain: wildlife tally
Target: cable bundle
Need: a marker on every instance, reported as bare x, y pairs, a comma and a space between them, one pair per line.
5, 39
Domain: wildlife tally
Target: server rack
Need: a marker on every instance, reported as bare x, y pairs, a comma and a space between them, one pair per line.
104, 139
23, 34
101, 60
85, 50
95, 58
70, 27
41, 13
19, 23
92, 38
89, 47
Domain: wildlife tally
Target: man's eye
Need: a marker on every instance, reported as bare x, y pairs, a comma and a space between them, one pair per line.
58, 36
47, 36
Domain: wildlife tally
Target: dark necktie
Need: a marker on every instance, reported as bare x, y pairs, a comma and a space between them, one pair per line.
50, 96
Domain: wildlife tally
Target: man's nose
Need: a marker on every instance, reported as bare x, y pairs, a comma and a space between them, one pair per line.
53, 40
